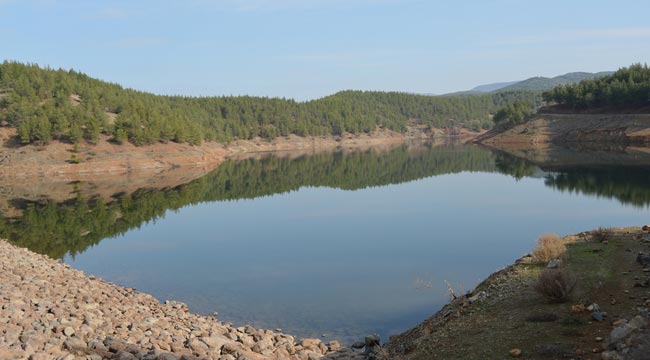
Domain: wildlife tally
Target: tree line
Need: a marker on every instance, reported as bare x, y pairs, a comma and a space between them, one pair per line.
627, 88
46, 104
70, 227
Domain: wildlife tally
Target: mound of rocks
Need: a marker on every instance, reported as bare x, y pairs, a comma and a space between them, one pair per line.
50, 311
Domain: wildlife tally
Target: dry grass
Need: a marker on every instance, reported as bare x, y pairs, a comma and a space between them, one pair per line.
556, 285
549, 247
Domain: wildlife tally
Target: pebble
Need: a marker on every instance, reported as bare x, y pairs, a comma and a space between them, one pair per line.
65, 314
515, 352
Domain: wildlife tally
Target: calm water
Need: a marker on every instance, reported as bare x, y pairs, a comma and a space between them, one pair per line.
335, 244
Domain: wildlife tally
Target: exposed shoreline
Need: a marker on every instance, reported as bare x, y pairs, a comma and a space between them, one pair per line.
50, 311
90, 162
505, 310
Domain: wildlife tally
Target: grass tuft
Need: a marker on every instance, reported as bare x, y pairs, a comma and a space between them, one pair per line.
549, 247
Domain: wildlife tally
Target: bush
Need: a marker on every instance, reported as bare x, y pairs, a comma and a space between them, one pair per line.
549, 247
556, 285
601, 234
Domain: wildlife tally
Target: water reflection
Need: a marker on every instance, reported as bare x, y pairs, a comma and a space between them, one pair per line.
281, 240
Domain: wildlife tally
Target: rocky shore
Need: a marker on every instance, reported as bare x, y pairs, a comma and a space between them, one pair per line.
50, 311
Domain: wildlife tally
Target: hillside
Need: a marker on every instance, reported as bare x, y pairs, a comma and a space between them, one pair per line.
592, 131
610, 112
543, 83
46, 104
493, 87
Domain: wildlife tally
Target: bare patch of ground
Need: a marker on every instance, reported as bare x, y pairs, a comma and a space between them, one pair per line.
87, 162
594, 131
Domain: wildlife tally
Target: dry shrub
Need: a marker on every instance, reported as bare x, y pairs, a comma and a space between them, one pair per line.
601, 234
556, 285
549, 247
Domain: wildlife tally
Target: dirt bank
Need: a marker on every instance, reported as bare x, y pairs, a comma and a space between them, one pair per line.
49, 311
585, 131
87, 162
504, 317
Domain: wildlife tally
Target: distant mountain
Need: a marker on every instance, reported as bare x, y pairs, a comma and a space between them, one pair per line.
537, 83
493, 87
543, 83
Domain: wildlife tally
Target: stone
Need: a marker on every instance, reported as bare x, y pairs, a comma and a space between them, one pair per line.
75, 344
166, 356
310, 343
597, 315
114, 344
372, 340
479, 296
593, 307
358, 345
643, 259
68, 331
334, 345
553, 264
262, 345
515, 352
124, 355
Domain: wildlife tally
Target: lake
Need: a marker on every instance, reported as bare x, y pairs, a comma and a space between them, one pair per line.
337, 244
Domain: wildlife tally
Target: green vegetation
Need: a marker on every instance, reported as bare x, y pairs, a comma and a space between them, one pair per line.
46, 104
72, 226
57, 229
512, 114
540, 83
626, 88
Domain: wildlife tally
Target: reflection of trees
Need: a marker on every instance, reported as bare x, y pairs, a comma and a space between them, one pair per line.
514, 166
70, 227
627, 184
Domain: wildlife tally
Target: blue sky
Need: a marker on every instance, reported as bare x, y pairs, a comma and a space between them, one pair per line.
310, 48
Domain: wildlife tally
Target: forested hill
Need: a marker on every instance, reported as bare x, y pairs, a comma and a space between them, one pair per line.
541, 83
627, 88
46, 104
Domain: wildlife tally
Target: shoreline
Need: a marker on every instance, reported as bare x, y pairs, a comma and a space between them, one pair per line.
51, 311
505, 310
91, 162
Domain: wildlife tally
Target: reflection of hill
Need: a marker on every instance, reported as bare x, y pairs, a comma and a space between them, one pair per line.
627, 184
70, 226
621, 175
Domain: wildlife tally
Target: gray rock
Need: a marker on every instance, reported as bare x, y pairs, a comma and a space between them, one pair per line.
166, 356
643, 259
553, 264
372, 340
358, 345
479, 296
597, 315
124, 355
